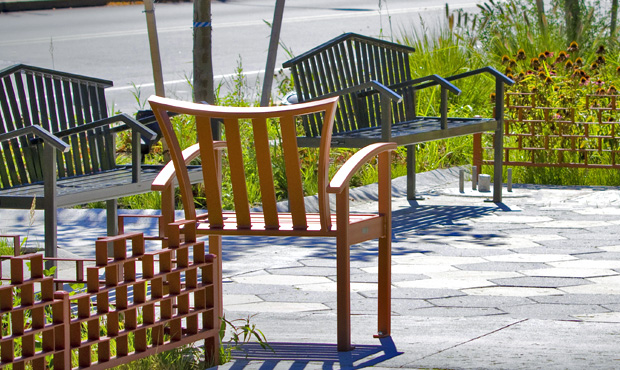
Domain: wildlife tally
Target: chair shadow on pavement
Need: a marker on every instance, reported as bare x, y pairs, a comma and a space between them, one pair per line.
432, 220
296, 356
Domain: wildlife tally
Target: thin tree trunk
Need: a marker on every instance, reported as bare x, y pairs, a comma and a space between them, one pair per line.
614, 19
203, 63
572, 13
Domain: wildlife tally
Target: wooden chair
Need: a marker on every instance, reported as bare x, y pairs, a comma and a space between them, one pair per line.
347, 228
378, 99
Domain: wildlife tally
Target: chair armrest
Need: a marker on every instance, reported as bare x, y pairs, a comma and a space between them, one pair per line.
168, 173
40, 133
129, 123
341, 179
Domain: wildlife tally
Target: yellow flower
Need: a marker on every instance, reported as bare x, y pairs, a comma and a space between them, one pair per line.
573, 46
579, 62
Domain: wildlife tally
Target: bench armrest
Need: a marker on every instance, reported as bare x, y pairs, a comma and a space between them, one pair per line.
341, 179
40, 133
434, 80
129, 123
168, 173
499, 77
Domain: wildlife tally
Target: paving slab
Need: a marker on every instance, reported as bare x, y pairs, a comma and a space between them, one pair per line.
531, 283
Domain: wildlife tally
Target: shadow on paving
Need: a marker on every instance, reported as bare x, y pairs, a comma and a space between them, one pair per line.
432, 220
300, 354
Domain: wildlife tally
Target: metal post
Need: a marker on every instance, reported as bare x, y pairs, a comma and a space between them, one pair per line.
151, 26
509, 182
474, 177
49, 203
498, 143
276, 25
461, 181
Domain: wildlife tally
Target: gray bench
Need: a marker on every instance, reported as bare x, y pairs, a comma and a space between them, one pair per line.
44, 112
378, 99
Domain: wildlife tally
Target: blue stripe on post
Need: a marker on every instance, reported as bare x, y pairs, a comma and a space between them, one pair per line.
202, 24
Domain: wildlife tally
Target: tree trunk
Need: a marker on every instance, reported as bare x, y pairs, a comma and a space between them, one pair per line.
614, 19
572, 14
203, 63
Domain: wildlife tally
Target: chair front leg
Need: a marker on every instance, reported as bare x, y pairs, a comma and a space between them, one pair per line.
343, 271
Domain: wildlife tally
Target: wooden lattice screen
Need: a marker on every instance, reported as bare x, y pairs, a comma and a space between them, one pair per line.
135, 304
29, 333
540, 136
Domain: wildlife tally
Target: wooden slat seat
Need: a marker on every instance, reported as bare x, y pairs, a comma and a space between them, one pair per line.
346, 228
43, 112
378, 99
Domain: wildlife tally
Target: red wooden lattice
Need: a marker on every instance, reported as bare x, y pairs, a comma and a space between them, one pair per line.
540, 136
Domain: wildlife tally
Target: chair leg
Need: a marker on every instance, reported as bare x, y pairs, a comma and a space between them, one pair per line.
385, 293
343, 286
215, 247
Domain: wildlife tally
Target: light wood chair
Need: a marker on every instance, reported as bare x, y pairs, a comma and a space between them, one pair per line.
347, 228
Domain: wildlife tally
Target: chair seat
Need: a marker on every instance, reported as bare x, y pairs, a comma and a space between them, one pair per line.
362, 226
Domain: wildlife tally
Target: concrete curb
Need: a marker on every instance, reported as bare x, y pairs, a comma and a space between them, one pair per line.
24, 5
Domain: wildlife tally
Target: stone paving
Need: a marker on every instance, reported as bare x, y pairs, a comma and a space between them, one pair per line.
531, 283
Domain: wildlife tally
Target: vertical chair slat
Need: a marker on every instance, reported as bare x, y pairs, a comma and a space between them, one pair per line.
336, 83
209, 171
237, 172
62, 125
265, 173
293, 173
80, 120
7, 163
300, 93
53, 119
71, 122
348, 81
21, 85
17, 123
99, 139
91, 135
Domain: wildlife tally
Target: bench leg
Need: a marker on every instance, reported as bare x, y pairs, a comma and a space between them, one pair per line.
411, 173
49, 204
498, 165
112, 222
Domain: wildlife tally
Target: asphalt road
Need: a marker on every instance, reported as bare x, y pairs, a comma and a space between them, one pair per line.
111, 42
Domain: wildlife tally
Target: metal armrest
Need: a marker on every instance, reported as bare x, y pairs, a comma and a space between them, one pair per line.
129, 123
41, 134
435, 80
499, 77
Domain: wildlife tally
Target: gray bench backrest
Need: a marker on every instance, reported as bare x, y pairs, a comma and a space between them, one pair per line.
346, 61
58, 102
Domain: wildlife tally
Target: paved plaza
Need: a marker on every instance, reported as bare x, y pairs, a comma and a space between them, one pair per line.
532, 283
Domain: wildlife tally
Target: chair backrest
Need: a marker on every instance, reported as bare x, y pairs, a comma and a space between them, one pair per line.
346, 61
56, 101
256, 122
